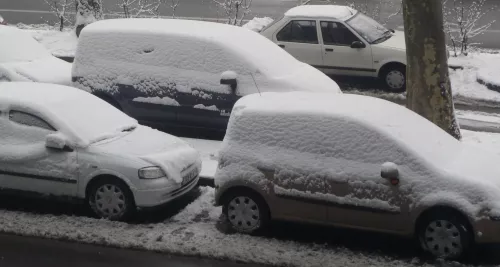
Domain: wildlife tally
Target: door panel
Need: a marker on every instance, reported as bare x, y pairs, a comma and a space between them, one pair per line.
300, 39
150, 102
206, 109
338, 56
299, 196
27, 164
368, 202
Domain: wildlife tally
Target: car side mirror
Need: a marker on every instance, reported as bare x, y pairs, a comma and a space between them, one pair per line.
390, 172
358, 44
57, 141
229, 78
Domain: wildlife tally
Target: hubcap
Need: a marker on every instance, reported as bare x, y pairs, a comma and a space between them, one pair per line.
110, 201
244, 214
442, 238
395, 79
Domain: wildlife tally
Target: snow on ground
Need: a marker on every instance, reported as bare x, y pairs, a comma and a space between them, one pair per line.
257, 24
478, 116
464, 81
192, 232
60, 44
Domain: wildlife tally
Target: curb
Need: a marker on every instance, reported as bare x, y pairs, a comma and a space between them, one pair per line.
488, 85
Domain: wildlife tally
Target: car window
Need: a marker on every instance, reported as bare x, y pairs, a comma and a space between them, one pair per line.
335, 33
29, 120
299, 31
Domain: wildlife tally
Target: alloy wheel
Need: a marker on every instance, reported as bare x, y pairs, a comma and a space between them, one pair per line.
110, 201
443, 239
395, 79
244, 214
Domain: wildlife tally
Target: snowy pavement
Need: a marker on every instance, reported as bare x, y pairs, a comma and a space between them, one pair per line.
53, 253
191, 226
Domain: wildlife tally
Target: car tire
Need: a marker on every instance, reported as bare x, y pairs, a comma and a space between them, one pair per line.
245, 211
445, 234
394, 78
110, 198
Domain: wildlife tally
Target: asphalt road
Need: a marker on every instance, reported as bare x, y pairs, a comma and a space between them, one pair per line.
36, 11
17, 251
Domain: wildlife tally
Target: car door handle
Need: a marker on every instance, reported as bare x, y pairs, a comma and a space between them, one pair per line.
281, 45
329, 49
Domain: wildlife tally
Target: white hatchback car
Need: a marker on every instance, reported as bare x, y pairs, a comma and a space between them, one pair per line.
61, 141
340, 40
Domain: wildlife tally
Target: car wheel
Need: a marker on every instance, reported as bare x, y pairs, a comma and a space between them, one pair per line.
111, 199
445, 235
394, 79
245, 211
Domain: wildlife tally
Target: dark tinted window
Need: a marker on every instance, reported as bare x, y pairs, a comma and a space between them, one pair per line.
299, 31
29, 120
335, 33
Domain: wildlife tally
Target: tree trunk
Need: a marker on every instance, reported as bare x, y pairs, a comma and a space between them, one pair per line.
428, 81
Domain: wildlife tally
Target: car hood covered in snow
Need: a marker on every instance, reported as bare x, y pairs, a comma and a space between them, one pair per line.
45, 70
476, 165
397, 41
156, 148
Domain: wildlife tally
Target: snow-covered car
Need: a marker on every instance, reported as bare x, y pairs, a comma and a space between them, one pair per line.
2, 21
61, 141
358, 162
340, 40
171, 73
23, 59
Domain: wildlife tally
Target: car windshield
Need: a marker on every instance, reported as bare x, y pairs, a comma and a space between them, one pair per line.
16, 45
92, 119
368, 28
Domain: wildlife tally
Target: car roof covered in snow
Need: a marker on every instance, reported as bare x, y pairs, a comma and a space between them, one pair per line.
36, 94
376, 115
81, 115
322, 11
18, 45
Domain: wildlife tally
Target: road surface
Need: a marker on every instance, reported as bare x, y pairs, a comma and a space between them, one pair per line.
17, 251
36, 11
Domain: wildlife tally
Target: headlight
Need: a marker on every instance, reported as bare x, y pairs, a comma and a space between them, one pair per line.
151, 173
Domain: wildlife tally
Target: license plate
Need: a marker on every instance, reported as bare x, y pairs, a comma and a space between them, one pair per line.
190, 176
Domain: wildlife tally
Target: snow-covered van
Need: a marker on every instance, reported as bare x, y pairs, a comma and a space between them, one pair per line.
184, 73
358, 162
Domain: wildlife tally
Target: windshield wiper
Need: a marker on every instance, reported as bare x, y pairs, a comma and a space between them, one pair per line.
383, 38
129, 129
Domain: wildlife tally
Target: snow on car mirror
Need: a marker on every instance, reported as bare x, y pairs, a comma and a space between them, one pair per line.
390, 172
56, 141
229, 78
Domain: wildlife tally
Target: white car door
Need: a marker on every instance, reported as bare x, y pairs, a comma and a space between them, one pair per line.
26, 164
340, 56
300, 39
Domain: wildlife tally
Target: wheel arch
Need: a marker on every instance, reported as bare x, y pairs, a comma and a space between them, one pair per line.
99, 176
388, 65
443, 208
227, 192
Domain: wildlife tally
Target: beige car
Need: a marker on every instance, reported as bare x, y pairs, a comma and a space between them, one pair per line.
349, 161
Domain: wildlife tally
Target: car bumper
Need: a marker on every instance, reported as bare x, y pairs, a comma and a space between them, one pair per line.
152, 198
487, 231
